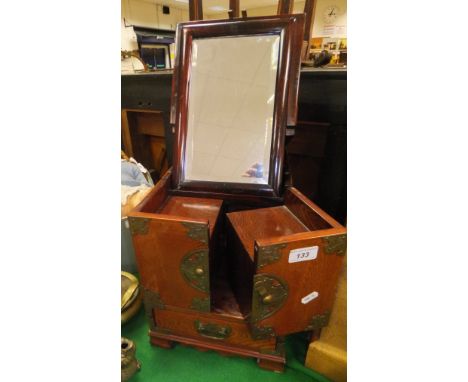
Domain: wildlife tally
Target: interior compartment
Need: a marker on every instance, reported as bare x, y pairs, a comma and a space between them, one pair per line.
192, 208
143, 137
264, 223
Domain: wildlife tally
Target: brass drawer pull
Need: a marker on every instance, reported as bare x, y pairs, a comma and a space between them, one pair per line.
213, 331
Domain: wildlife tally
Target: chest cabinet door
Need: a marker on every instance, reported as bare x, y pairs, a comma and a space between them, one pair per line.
294, 282
173, 260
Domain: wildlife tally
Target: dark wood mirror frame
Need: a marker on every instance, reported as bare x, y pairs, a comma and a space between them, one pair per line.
290, 28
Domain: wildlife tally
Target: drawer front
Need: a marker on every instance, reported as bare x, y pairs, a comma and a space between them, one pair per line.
210, 327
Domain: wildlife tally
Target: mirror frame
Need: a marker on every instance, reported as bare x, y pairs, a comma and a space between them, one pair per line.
291, 29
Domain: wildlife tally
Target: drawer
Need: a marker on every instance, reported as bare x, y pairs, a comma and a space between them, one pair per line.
209, 327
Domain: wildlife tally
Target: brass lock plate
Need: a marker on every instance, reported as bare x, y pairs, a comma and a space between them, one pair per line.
195, 269
269, 294
202, 304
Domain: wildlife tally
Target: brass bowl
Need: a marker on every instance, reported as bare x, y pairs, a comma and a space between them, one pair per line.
131, 297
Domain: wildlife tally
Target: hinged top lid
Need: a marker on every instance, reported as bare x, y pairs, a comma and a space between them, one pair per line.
234, 90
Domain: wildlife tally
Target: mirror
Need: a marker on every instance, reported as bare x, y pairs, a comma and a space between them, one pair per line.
230, 108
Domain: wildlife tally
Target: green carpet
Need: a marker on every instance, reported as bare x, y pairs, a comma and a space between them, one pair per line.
185, 364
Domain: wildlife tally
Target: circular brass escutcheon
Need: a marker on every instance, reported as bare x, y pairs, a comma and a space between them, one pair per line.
199, 271
267, 299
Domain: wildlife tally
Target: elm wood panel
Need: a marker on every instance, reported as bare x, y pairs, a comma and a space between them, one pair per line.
307, 211
183, 324
156, 196
318, 275
287, 26
263, 223
159, 253
219, 347
186, 207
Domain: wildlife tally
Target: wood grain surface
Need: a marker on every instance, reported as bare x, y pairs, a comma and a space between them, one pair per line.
182, 323
263, 223
307, 212
191, 208
318, 275
274, 362
159, 254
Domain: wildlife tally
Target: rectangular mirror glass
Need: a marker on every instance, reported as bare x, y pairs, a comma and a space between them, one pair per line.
230, 108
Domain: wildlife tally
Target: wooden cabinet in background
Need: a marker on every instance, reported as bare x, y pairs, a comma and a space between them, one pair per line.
143, 138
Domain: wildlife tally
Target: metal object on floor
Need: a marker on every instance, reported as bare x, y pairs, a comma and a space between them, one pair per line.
131, 297
129, 364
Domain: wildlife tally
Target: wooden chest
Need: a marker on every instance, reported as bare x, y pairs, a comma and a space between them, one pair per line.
232, 260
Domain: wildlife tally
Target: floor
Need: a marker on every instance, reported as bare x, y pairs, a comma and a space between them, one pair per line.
186, 364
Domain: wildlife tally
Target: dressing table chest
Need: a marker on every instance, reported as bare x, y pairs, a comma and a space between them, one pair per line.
230, 259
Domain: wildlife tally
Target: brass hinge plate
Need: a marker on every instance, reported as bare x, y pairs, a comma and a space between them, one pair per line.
201, 304
269, 294
151, 300
335, 244
138, 226
261, 332
269, 255
194, 267
197, 231
318, 321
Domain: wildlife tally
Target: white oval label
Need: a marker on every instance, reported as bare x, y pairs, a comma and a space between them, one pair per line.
309, 297
303, 254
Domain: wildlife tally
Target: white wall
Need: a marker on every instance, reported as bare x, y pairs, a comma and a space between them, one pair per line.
319, 25
146, 14
320, 28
